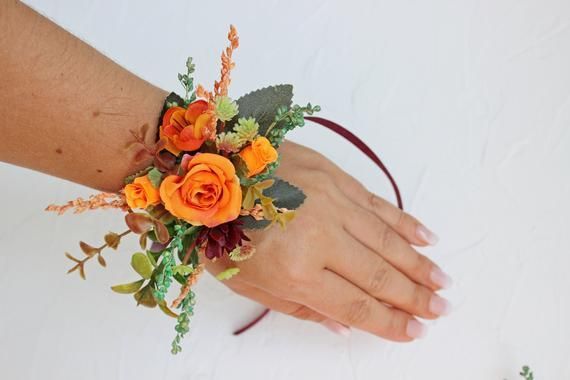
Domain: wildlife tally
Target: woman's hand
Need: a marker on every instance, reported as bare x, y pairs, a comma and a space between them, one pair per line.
346, 257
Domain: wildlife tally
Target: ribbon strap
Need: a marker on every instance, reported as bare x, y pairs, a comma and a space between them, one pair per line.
361, 145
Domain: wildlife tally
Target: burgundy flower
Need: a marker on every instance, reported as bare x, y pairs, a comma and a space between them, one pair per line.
221, 239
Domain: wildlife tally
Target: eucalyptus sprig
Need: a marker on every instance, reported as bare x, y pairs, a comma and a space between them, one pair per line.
187, 81
112, 241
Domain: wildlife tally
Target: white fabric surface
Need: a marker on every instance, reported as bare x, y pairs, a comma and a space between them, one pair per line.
468, 103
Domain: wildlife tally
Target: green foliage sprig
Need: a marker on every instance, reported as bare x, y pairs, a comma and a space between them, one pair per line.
183, 322
164, 273
187, 81
526, 373
288, 119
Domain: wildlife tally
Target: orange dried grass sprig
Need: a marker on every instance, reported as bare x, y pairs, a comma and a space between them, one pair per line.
221, 86
96, 201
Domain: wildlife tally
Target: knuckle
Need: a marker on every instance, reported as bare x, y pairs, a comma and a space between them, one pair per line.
420, 301
302, 312
385, 236
422, 266
402, 219
396, 324
380, 280
374, 201
359, 311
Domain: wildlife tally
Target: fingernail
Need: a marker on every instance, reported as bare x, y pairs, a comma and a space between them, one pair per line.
439, 306
426, 235
440, 278
415, 329
336, 327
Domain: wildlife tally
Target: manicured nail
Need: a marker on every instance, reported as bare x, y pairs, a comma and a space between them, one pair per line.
439, 306
440, 278
426, 235
415, 329
336, 327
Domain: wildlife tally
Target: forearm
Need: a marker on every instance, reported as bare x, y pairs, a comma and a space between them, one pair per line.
65, 109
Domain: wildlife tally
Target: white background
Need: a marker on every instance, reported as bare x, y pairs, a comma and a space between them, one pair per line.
468, 103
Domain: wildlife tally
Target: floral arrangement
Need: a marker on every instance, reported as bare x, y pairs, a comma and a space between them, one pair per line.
211, 179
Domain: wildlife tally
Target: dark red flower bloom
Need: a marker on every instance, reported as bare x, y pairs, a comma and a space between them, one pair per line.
221, 239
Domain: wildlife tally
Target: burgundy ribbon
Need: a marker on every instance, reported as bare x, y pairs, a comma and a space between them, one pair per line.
357, 142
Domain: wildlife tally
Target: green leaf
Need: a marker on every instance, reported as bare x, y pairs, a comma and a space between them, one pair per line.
142, 265
166, 310
129, 288
227, 274
252, 192
151, 258
144, 297
250, 223
183, 270
171, 100
155, 177
181, 280
285, 195
262, 104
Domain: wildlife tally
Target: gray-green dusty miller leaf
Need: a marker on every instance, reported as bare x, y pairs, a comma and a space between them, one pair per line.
262, 104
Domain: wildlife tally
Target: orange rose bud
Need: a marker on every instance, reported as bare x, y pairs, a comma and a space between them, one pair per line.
141, 193
208, 194
257, 155
182, 129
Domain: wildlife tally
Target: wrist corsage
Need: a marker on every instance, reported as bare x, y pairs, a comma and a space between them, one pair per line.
211, 179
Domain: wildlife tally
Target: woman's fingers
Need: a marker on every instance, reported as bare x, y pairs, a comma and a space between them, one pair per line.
343, 301
283, 306
380, 238
270, 301
403, 223
370, 272
406, 225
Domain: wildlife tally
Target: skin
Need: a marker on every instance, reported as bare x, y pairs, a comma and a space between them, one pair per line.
347, 260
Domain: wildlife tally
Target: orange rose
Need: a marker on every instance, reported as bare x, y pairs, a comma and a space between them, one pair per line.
182, 129
141, 193
257, 155
208, 194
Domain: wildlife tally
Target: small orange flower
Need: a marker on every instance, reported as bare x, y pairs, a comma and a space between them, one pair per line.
141, 193
257, 155
183, 129
208, 194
